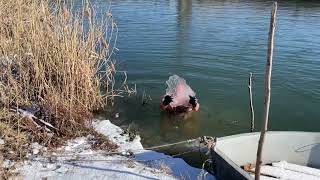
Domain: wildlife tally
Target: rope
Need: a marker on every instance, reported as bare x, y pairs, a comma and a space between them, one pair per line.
173, 144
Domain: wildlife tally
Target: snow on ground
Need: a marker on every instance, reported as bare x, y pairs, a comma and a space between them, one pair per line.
114, 132
177, 166
76, 160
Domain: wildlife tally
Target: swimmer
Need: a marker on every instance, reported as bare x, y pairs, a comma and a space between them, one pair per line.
179, 97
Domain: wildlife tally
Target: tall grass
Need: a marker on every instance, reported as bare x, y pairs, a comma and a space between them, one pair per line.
55, 62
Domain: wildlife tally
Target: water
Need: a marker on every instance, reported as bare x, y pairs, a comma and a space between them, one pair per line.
214, 45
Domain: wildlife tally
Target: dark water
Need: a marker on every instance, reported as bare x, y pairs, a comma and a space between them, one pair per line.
214, 45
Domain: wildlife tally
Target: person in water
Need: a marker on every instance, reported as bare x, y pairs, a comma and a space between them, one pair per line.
179, 97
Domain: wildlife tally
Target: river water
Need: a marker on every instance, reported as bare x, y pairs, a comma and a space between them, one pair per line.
214, 45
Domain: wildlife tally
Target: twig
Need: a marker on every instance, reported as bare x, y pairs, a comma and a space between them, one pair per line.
38, 122
251, 104
267, 90
143, 100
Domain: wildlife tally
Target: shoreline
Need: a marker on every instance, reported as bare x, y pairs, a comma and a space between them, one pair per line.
77, 160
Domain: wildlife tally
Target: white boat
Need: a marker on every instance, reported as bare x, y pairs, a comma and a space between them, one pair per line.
300, 149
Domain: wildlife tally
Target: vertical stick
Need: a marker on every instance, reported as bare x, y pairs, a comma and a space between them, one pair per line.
251, 105
267, 90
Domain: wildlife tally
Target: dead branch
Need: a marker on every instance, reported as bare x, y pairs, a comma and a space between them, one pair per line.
38, 122
251, 104
267, 90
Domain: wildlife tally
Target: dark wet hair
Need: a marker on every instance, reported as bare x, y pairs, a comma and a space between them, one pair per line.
167, 100
193, 101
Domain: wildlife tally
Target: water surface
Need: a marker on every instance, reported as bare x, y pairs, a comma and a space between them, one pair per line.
214, 45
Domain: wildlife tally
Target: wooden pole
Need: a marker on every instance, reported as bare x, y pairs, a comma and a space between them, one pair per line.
267, 91
251, 104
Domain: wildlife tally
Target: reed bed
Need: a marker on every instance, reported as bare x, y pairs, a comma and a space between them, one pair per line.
55, 62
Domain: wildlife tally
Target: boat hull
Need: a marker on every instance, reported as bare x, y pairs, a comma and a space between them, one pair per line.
232, 152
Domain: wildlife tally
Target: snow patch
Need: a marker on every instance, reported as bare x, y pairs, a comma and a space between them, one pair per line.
112, 167
76, 160
115, 134
178, 166
1, 142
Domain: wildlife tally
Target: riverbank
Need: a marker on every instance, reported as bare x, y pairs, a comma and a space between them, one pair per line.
77, 159
56, 70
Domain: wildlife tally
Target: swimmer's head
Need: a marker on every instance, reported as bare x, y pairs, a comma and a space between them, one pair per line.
193, 101
167, 100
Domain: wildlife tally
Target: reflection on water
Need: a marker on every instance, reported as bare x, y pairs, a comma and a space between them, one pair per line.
184, 12
214, 45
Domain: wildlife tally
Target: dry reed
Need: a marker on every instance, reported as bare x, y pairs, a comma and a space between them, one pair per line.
56, 63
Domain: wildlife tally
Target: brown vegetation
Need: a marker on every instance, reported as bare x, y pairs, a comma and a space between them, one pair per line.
55, 63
